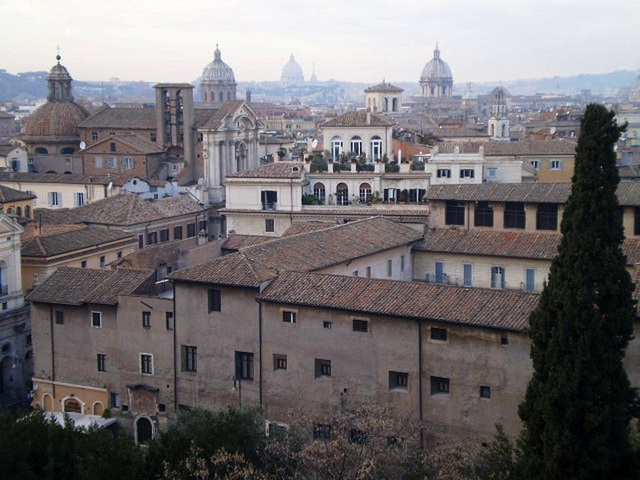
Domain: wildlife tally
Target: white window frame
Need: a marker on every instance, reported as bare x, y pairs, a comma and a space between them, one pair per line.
113, 162
535, 164
443, 173
99, 317
79, 199
289, 317
150, 355
376, 149
355, 146
128, 163
467, 173
55, 199
555, 165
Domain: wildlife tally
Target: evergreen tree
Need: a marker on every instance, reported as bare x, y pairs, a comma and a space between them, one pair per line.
577, 407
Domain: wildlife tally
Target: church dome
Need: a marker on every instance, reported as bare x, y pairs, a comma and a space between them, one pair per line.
55, 119
218, 71
436, 69
292, 72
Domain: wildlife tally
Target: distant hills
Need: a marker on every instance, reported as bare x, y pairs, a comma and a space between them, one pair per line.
33, 85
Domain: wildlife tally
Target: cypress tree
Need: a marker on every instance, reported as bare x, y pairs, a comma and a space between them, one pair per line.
578, 403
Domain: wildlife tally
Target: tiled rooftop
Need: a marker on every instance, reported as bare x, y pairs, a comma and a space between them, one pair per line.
135, 118
8, 194
73, 178
531, 147
359, 118
489, 308
69, 241
384, 87
236, 242
309, 251
273, 170
84, 285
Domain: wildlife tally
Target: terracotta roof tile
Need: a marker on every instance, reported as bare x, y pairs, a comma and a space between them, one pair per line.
236, 242
8, 194
70, 240
273, 170
384, 87
119, 117
531, 147
84, 285
489, 308
73, 178
359, 118
306, 227
502, 192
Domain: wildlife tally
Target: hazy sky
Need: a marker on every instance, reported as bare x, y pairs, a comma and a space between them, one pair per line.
349, 40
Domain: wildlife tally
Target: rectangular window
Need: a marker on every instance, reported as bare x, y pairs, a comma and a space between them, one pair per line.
83, 264
547, 216
189, 358
146, 319
112, 147
555, 165
440, 334
323, 368
215, 300
269, 225
119, 254
115, 400
98, 162
368, 272
279, 362
146, 363
483, 215
102, 362
636, 221
389, 268
535, 164
140, 241
113, 162
492, 172
514, 216
398, 380
59, 317
360, 325
128, 163
177, 232
440, 276
153, 137
439, 385
498, 277
454, 213
467, 275
55, 199
244, 366
444, 173
485, 392
164, 235
467, 173
402, 263
103, 261
191, 230
269, 199
94, 136
169, 320
96, 319
152, 238
327, 324
530, 280
288, 317
28, 340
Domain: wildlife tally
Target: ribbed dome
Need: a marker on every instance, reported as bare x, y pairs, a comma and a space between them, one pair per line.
436, 69
292, 72
55, 119
218, 71
59, 71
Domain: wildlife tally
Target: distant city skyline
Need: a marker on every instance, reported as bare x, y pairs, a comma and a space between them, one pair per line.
355, 41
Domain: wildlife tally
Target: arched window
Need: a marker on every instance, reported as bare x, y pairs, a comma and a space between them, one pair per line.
355, 146
98, 408
336, 148
27, 211
67, 151
19, 211
376, 148
433, 91
205, 96
365, 192
394, 104
342, 194
385, 105
319, 192
228, 95
47, 402
221, 97
72, 405
492, 130
504, 131
42, 151
144, 430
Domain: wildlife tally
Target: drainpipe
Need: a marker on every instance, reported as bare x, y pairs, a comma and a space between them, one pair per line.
260, 364
421, 416
175, 360
53, 361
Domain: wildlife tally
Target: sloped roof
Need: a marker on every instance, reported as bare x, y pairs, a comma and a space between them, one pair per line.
84, 285
359, 118
122, 117
531, 147
8, 194
131, 209
305, 227
310, 251
458, 132
236, 242
489, 308
134, 141
502, 192
628, 192
229, 108
69, 241
273, 170
384, 87
74, 178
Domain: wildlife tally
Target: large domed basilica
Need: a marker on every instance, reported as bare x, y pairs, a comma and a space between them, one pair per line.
436, 80
292, 73
218, 84
52, 128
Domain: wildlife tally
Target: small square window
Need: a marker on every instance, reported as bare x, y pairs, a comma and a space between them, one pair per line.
96, 319
102, 362
360, 325
504, 341
289, 317
439, 385
119, 254
323, 368
398, 380
439, 334
215, 300
556, 165
327, 324
169, 320
146, 319
59, 317
279, 362
485, 392
269, 225
162, 408
83, 264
